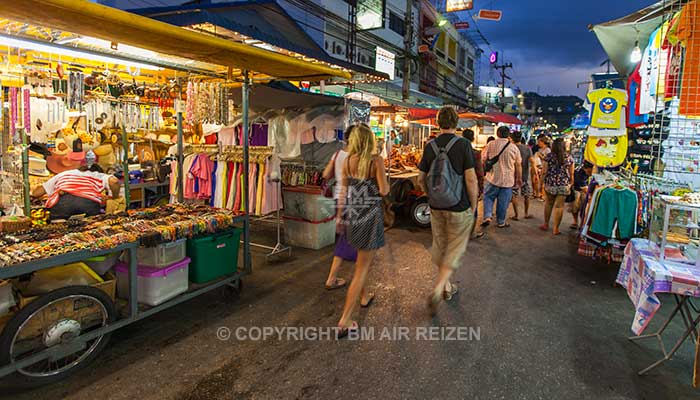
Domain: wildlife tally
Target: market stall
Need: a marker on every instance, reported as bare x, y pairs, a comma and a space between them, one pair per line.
648, 135
89, 85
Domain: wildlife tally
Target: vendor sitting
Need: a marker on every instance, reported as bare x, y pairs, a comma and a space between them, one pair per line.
78, 191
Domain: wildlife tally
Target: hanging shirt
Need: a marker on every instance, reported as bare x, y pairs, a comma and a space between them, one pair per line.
633, 85
675, 59
687, 33
649, 71
607, 107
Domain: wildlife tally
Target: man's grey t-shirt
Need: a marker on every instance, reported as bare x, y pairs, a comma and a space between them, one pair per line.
525, 154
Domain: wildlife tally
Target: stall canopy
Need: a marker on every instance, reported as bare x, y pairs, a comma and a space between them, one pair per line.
86, 18
618, 37
275, 97
263, 24
504, 118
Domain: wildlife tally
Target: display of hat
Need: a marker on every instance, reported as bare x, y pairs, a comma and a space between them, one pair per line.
59, 163
61, 148
105, 156
165, 138
37, 167
40, 148
151, 136
78, 154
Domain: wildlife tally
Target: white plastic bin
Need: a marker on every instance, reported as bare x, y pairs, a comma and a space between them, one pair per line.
307, 234
7, 298
307, 203
162, 255
155, 285
102, 264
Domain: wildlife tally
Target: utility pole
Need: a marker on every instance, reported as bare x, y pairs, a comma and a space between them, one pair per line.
503, 68
408, 52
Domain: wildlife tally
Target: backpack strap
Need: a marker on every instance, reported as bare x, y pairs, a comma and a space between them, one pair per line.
451, 143
435, 148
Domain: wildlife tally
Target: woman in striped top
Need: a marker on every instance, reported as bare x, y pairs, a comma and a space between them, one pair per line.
78, 191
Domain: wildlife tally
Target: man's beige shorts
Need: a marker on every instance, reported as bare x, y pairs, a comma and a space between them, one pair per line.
451, 231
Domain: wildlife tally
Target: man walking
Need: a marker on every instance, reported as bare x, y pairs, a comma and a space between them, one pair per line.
524, 191
503, 166
448, 177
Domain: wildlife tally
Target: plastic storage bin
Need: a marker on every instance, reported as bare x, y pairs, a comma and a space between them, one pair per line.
162, 255
309, 234
307, 203
214, 255
102, 264
7, 298
155, 285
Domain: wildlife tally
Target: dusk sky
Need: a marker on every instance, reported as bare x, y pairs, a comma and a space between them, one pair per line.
548, 41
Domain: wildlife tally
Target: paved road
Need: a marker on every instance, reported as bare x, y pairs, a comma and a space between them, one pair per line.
551, 326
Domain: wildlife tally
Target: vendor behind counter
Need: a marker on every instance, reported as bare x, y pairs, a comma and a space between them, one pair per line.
78, 191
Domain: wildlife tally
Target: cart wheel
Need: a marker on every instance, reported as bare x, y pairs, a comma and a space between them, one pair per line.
54, 319
420, 213
233, 290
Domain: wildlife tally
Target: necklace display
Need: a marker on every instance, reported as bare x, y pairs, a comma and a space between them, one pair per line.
149, 227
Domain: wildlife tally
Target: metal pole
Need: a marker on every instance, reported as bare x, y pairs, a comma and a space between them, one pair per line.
125, 163
408, 51
246, 134
25, 173
180, 160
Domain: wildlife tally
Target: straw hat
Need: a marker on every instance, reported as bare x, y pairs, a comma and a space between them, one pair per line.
37, 166
61, 148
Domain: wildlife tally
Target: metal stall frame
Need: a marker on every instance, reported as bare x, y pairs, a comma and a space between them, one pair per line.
86, 18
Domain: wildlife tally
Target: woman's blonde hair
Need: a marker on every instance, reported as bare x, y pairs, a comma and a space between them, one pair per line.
362, 144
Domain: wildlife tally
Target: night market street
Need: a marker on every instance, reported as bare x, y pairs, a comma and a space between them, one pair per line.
551, 327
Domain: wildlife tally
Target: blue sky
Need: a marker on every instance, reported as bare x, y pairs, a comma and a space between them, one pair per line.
548, 41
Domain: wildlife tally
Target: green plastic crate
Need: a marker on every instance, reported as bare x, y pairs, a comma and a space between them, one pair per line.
213, 256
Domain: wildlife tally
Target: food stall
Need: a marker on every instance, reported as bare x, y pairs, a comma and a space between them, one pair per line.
63, 288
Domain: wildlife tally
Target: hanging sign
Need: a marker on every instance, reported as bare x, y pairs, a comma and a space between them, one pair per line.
385, 62
493, 58
490, 15
424, 48
458, 5
461, 25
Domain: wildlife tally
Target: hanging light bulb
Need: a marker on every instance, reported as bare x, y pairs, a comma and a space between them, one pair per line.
636, 55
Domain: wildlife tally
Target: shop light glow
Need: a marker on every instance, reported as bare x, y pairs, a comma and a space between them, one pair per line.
636, 55
68, 52
442, 22
122, 48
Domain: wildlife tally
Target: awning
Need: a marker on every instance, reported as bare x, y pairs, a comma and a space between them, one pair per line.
504, 118
619, 36
268, 97
86, 18
392, 93
464, 119
263, 20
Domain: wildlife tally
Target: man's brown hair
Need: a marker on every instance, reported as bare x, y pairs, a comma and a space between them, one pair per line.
447, 118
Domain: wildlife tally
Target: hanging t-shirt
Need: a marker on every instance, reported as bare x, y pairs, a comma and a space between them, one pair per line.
675, 59
649, 71
606, 151
633, 118
607, 107
687, 34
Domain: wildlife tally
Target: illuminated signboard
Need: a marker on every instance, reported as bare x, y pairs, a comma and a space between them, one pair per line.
493, 58
370, 14
458, 5
491, 15
385, 62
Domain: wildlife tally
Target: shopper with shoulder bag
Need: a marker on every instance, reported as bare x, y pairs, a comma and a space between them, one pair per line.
447, 174
333, 173
503, 168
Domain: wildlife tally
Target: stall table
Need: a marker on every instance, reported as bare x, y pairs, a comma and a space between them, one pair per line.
644, 277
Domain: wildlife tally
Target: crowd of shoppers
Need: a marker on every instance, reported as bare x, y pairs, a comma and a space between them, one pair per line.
454, 177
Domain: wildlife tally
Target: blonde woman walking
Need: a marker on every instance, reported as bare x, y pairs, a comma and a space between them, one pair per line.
360, 212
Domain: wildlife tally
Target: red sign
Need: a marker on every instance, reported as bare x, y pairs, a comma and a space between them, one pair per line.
424, 48
461, 25
491, 15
